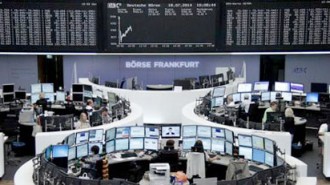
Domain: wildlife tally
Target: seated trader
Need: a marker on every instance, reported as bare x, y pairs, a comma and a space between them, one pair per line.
272, 108
89, 107
198, 147
289, 121
41, 104
105, 116
91, 160
83, 122
168, 155
246, 103
230, 101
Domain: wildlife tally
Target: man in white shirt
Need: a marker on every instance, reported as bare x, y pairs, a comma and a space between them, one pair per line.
83, 122
272, 108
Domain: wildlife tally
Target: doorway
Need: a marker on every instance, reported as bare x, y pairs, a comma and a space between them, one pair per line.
272, 68
50, 70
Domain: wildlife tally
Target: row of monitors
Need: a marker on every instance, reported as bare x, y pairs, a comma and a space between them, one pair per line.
82, 97
256, 142
215, 145
42, 87
257, 155
50, 96
80, 88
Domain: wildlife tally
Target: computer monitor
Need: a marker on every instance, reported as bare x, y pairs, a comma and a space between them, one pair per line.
258, 155
244, 87
152, 132
246, 96
8, 88
151, 144
187, 143
136, 144
95, 135
206, 143
8, 98
112, 98
20, 95
110, 146
34, 98
137, 132
218, 91
204, 131
229, 135
269, 145
273, 95
269, 159
297, 88
122, 132
121, 144
261, 86
110, 134
35, 88
237, 97
218, 132
82, 150
60, 151
319, 87
82, 137
275, 117
282, 86
98, 102
71, 139
60, 96
246, 152
47, 87
72, 153
265, 96
229, 148
217, 101
171, 131
99, 144
312, 97
218, 145
77, 88
48, 152
189, 131
50, 97
257, 142
244, 140
324, 98
287, 96
78, 98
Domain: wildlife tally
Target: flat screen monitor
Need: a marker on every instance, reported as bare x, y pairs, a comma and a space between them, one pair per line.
110, 146
50, 97
8, 88
112, 98
189, 131
261, 86
71, 139
136, 144
8, 98
187, 143
218, 145
229, 148
258, 155
273, 95
204, 131
246, 96
20, 95
121, 144
282, 86
137, 132
48, 152
77, 88
34, 98
60, 151
297, 88
217, 101
258, 142
95, 135
244, 140
122, 132
269, 145
275, 117
319, 87
171, 131
265, 96
47, 87
287, 96
312, 97
60, 96
218, 133
88, 88
72, 153
151, 144
219, 91
206, 143
82, 150
77, 97
324, 98
35, 88
152, 132
269, 159
244, 87
236, 97
99, 144
246, 152
82, 137
110, 134
229, 135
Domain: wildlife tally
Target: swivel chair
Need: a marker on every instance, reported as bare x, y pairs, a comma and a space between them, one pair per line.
237, 170
195, 164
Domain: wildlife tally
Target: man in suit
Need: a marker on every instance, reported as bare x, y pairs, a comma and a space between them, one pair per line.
170, 132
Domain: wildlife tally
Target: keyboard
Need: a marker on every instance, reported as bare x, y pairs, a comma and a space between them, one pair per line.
255, 168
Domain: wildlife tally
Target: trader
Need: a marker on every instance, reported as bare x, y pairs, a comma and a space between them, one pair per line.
272, 108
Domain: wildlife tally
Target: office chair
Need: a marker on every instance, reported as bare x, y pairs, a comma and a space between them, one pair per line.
195, 164
237, 170
171, 157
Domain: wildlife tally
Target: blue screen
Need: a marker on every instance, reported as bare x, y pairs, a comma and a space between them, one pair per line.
269, 145
110, 134
122, 132
71, 139
96, 135
136, 144
110, 146
187, 143
244, 140
218, 133
82, 137
121, 144
189, 131
312, 97
229, 135
82, 150
229, 148
72, 153
152, 132
218, 145
246, 152
258, 155
60, 151
269, 159
137, 131
206, 143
